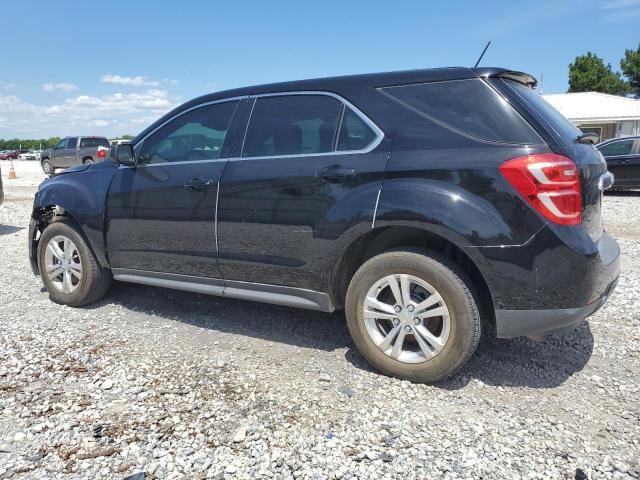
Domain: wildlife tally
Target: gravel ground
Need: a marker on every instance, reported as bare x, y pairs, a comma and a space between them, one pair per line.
167, 384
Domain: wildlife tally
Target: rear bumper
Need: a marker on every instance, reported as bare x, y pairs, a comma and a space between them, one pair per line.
553, 282
517, 323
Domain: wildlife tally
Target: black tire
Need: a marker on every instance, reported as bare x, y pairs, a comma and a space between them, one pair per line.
94, 281
47, 166
454, 288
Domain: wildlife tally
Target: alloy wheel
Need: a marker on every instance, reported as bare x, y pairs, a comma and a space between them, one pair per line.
406, 318
63, 264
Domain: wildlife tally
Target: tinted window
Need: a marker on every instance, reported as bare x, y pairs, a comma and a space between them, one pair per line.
94, 142
623, 147
73, 141
563, 127
354, 133
470, 106
196, 135
61, 144
292, 125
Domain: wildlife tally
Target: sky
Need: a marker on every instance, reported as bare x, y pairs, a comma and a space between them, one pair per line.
112, 68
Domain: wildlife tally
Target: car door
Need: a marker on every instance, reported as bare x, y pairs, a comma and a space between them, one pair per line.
58, 153
622, 160
69, 156
161, 212
296, 188
634, 166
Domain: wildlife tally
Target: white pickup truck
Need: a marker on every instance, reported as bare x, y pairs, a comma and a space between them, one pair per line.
73, 151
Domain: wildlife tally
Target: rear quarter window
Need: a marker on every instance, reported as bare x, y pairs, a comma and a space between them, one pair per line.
469, 106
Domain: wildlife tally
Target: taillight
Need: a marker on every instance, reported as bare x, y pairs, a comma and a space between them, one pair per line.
550, 183
102, 152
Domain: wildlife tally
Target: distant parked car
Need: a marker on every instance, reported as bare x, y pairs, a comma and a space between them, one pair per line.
73, 151
9, 155
1, 190
623, 160
29, 155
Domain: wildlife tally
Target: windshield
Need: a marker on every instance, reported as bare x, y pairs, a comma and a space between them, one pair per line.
558, 122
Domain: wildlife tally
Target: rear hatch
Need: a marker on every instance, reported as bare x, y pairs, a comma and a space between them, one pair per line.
561, 136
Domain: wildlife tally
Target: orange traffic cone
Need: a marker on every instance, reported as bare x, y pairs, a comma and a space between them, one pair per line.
12, 172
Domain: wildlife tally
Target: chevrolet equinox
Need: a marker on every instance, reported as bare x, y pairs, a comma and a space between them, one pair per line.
426, 204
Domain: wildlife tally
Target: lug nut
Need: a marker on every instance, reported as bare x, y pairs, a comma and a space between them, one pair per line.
410, 308
396, 321
416, 321
407, 328
397, 308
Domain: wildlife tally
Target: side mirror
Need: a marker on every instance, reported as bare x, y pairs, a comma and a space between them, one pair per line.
124, 154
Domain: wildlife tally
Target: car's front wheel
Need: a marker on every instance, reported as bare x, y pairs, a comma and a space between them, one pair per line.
47, 166
412, 315
69, 269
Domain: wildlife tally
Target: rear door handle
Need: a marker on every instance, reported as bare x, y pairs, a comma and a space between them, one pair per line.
198, 183
336, 173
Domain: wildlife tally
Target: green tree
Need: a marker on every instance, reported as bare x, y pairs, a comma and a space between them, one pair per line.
32, 143
630, 66
588, 73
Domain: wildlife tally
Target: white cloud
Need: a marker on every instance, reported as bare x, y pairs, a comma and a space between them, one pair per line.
620, 4
621, 11
115, 114
138, 81
98, 123
8, 86
65, 87
171, 81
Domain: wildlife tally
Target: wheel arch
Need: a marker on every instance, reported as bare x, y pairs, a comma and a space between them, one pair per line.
45, 215
80, 199
385, 238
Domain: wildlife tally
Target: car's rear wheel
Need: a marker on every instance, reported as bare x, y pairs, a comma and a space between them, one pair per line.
412, 315
88, 161
69, 270
47, 166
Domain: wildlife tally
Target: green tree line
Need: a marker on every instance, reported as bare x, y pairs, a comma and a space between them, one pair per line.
31, 143
589, 73
36, 143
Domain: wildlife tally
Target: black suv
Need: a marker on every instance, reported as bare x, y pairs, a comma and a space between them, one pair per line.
420, 202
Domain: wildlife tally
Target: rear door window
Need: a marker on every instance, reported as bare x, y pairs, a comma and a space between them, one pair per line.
614, 149
292, 125
469, 106
73, 141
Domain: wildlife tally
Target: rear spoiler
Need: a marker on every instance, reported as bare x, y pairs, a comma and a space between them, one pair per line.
520, 77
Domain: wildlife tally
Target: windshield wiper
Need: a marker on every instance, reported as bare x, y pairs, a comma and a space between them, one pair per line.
588, 137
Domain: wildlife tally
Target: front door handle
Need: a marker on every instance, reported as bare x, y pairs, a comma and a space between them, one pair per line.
198, 183
336, 173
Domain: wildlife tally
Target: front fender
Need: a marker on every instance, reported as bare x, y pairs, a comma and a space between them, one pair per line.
81, 194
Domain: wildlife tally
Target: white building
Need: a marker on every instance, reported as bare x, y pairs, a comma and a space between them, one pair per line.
607, 115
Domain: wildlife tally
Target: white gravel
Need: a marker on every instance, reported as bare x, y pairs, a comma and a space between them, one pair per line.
167, 384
